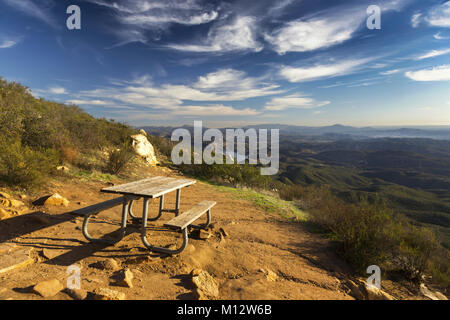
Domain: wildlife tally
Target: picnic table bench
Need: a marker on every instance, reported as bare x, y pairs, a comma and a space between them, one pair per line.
148, 189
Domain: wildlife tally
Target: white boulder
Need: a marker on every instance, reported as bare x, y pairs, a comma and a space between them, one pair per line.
144, 148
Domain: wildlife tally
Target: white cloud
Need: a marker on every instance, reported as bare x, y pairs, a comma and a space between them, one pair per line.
313, 34
324, 29
214, 110
237, 36
316, 72
439, 16
141, 20
7, 44
221, 85
88, 102
57, 90
390, 72
156, 20
416, 19
433, 53
438, 36
440, 73
293, 101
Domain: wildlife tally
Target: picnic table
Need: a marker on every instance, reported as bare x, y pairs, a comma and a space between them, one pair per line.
148, 189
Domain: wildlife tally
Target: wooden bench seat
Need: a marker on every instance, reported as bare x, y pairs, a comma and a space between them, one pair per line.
187, 218
96, 208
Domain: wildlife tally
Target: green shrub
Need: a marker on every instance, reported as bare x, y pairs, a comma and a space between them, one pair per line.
118, 159
24, 167
163, 146
416, 248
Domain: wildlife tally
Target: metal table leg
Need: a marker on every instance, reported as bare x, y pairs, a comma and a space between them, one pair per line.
155, 248
122, 227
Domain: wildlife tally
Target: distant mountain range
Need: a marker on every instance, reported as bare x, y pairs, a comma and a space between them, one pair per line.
338, 131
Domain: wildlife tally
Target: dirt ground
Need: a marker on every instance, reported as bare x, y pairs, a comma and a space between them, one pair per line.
305, 264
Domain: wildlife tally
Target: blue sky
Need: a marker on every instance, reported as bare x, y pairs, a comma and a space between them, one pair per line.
233, 63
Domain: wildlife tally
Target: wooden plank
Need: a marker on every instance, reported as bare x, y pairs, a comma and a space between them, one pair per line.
129, 185
152, 188
186, 218
99, 206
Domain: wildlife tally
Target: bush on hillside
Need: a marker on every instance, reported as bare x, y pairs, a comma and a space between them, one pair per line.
24, 167
35, 134
119, 158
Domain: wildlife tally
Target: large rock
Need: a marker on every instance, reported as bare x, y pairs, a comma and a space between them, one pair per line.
205, 283
144, 148
430, 294
12, 258
48, 288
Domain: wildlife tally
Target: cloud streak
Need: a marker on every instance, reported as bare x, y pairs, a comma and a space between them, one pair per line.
322, 71
440, 73
38, 11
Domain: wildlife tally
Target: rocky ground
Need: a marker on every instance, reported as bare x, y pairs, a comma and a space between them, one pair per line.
246, 254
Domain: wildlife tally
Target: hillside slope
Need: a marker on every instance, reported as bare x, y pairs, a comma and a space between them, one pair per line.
305, 264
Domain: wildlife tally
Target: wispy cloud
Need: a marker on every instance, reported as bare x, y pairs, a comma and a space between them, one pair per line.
440, 73
140, 20
324, 29
295, 101
56, 90
416, 20
312, 34
438, 36
39, 10
4, 44
433, 53
389, 72
219, 86
439, 16
239, 35
322, 71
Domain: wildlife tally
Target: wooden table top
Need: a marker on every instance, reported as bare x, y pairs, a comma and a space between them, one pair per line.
151, 187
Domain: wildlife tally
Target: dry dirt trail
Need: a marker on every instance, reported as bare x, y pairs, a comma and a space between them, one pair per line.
304, 264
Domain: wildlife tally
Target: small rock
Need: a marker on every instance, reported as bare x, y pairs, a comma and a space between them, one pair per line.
4, 214
270, 275
50, 254
205, 283
108, 294
77, 294
126, 278
62, 168
5, 195
225, 233
52, 200
108, 264
16, 203
48, 288
357, 291
200, 234
373, 293
23, 196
